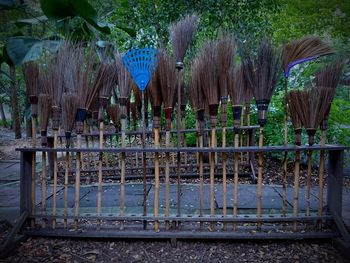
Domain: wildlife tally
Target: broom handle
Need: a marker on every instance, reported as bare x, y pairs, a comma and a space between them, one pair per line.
156, 179
33, 169
201, 180
285, 159
167, 179
43, 187
178, 123
320, 177
66, 173
99, 191
296, 188
224, 186
212, 161
55, 171
235, 205
241, 140
77, 182
248, 124
183, 124
308, 182
260, 171
144, 160
122, 175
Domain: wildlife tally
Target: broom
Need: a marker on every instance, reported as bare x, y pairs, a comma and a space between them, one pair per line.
113, 113
181, 34
248, 96
225, 49
236, 90
86, 93
54, 89
167, 79
198, 104
211, 92
314, 104
124, 85
329, 77
294, 53
106, 78
44, 106
31, 77
295, 111
262, 75
69, 108
156, 97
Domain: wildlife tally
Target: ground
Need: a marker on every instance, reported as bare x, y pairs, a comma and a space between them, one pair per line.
73, 250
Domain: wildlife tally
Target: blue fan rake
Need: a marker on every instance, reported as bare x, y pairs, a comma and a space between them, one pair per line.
140, 64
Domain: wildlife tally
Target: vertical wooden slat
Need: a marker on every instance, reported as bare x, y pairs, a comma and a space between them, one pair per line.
260, 171
201, 180
55, 173
224, 186
99, 191
167, 179
211, 174
77, 182
43, 187
33, 167
156, 177
122, 175
308, 182
235, 198
25, 183
66, 173
296, 188
320, 178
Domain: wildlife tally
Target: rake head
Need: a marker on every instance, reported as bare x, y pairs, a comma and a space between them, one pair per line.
140, 63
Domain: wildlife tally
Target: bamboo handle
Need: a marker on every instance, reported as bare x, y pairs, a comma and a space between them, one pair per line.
99, 191
77, 182
224, 183
55, 172
167, 178
296, 188
33, 169
43, 187
156, 177
308, 182
260, 171
66, 173
201, 180
212, 164
321, 178
122, 176
235, 204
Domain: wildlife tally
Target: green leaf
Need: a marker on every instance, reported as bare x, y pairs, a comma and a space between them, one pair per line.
86, 11
19, 50
31, 21
7, 4
57, 9
130, 31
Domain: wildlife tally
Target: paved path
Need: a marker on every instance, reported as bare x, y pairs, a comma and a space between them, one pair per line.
272, 197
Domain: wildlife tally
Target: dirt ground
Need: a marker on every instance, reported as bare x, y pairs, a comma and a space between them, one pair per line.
86, 250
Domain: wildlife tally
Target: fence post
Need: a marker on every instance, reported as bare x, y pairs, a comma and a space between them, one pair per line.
26, 182
335, 181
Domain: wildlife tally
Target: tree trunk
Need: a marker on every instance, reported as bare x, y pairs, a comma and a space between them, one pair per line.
16, 119
2, 115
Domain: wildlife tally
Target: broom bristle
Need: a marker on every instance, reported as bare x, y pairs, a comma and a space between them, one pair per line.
294, 109
106, 78
181, 34
167, 78
113, 113
237, 85
225, 49
262, 71
124, 79
44, 105
31, 77
311, 106
69, 109
209, 73
329, 76
304, 48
